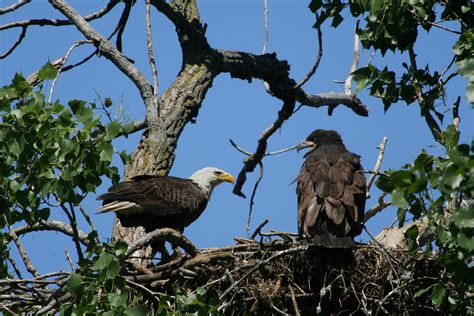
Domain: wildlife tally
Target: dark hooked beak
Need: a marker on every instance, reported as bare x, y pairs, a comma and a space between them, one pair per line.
305, 144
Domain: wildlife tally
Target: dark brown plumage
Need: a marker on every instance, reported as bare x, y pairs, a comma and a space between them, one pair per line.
162, 201
331, 192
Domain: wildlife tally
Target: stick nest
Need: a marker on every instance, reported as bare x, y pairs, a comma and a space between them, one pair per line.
286, 276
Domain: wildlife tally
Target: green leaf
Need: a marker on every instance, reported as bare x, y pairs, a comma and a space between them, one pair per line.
384, 184
398, 199
107, 152
75, 285
139, 310
103, 262
439, 293
113, 270
450, 136
118, 299
464, 218
47, 72
465, 240
112, 130
401, 215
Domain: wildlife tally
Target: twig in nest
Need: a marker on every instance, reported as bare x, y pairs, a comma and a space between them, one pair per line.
259, 228
261, 263
378, 163
293, 300
164, 234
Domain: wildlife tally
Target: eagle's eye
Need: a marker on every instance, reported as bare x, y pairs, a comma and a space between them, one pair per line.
218, 173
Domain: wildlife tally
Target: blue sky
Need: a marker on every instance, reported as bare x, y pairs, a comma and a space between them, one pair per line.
233, 109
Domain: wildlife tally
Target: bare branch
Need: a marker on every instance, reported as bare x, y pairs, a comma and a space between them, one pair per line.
355, 62
243, 151
265, 18
318, 60
378, 163
332, 99
15, 45
251, 162
76, 44
163, 234
252, 197
151, 57
123, 22
293, 300
13, 6
54, 22
425, 108
259, 228
456, 118
377, 208
26, 260
108, 50
284, 150
54, 226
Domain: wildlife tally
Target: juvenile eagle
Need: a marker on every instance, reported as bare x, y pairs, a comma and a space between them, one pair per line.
162, 201
331, 192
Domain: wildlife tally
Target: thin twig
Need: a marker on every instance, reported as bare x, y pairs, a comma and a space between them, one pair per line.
273, 153
15, 45
456, 118
261, 263
381, 205
243, 151
293, 300
252, 197
259, 228
13, 6
425, 108
265, 18
68, 257
26, 260
76, 44
316, 63
377, 165
151, 57
355, 62
123, 22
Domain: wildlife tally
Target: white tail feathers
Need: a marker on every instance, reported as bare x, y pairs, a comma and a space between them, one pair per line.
124, 207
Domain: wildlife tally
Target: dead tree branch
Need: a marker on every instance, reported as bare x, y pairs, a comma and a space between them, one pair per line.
15, 45
58, 226
13, 6
377, 165
151, 57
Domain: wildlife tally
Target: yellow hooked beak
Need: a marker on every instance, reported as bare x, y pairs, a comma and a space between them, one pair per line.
227, 177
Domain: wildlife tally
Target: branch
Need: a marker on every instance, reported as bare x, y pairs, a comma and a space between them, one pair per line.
163, 234
151, 57
123, 22
108, 50
318, 60
13, 6
252, 161
378, 163
43, 22
54, 226
355, 62
252, 197
265, 18
15, 45
64, 61
26, 260
425, 108
377, 208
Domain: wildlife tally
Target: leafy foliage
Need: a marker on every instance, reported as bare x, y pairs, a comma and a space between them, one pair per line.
440, 189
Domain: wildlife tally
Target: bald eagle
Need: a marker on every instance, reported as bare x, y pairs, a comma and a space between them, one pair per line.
162, 201
331, 191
